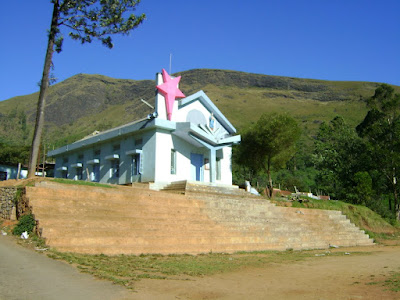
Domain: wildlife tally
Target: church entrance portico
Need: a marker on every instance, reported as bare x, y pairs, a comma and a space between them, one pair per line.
196, 165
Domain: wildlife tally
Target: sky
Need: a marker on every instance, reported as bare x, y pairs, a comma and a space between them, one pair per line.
351, 40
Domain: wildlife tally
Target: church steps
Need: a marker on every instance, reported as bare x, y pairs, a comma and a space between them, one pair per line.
134, 241
168, 249
101, 195
113, 218
182, 235
203, 214
116, 202
118, 208
195, 188
192, 231
237, 222
129, 220
114, 206
196, 247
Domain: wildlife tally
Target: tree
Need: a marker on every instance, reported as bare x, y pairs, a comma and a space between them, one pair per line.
363, 187
86, 20
381, 130
339, 154
268, 142
13, 154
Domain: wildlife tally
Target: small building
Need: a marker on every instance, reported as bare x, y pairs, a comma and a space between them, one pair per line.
186, 139
11, 172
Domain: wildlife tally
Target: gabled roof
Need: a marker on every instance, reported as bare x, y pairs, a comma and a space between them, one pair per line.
203, 98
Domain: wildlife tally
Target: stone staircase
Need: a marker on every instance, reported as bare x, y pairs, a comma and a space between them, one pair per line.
127, 220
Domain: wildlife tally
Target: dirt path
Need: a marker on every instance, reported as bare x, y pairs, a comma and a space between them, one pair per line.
25, 274
341, 277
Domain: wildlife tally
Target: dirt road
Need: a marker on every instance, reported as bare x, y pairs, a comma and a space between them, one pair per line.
342, 277
28, 275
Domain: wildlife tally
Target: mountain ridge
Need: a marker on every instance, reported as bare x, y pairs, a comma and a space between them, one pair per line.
84, 103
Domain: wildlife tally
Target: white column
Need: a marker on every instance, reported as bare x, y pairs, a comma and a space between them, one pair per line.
213, 165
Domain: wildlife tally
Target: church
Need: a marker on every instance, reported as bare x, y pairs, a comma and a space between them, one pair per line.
185, 138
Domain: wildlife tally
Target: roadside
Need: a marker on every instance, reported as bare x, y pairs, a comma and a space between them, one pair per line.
342, 273
25, 274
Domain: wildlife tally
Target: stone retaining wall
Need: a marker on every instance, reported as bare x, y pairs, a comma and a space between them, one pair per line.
7, 203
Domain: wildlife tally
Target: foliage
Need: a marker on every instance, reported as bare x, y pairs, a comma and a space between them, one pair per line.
363, 187
339, 154
359, 165
269, 142
363, 217
87, 20
303, 179
25, 223
381, 132
13, 154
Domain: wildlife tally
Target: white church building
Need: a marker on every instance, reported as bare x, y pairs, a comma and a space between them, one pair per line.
185, 139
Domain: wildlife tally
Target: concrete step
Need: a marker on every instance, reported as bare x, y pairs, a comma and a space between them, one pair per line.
134, 241
136, 220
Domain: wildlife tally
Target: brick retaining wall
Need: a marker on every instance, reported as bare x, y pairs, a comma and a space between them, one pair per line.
7, 202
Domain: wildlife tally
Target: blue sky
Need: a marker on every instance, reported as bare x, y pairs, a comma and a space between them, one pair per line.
357, 40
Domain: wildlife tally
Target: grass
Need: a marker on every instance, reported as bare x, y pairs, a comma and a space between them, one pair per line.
363, 217
392, 283
81, 182
126, 269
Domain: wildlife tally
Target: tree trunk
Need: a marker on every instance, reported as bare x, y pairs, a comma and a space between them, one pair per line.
270, 187
44, 84
396, 202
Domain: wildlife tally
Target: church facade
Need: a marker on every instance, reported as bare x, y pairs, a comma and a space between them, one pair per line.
185, 139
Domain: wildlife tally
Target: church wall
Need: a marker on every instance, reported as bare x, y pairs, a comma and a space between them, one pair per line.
165, 143
109, 148
149, 156
183, 160
226, 166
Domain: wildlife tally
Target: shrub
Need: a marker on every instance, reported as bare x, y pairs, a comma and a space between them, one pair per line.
25, 223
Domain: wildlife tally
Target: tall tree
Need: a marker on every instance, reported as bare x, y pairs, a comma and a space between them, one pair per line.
339, 154
86, 20
381, 130
269, 141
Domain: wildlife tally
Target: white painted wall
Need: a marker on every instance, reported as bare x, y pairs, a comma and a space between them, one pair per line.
12, 172
226, 166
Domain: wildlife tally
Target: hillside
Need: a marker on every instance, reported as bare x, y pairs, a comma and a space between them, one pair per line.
84, 103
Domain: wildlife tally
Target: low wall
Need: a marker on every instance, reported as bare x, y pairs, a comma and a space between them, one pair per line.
7, 203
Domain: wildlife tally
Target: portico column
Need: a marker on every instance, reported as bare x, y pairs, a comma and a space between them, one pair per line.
213, 165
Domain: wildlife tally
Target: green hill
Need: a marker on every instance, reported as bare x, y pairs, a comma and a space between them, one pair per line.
84, 103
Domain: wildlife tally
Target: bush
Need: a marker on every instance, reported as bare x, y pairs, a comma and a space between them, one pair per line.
25, 223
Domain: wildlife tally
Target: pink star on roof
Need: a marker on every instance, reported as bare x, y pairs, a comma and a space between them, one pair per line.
170, 91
